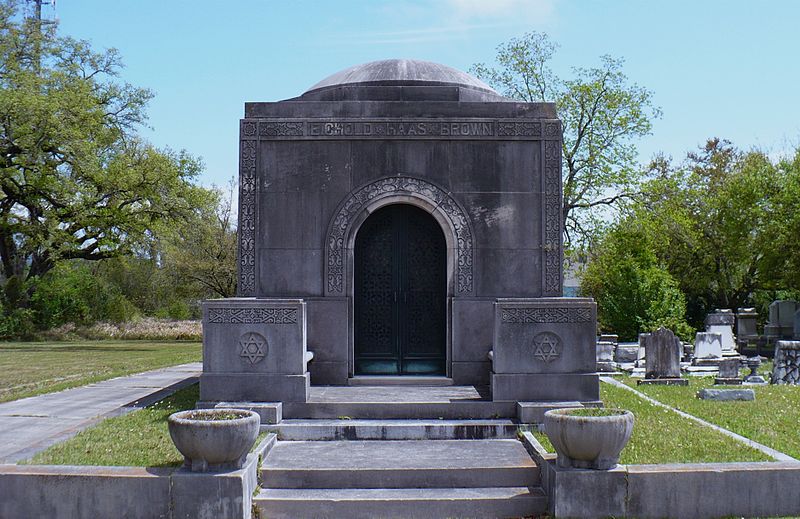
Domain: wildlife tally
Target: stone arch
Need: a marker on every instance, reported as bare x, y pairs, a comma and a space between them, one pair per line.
400, 189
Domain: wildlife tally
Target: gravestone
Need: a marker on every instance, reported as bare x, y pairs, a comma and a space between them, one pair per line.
728, 373
662, 358
605, 356
727, 395
641, 353
626, 353
722, 321
746, 326
786, 364
797, 325
708, 346
781, 320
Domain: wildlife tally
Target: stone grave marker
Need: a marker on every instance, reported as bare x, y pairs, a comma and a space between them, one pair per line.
707, 348
722, 321
640, 354
753, 378
726, 395
728, 373
662, 358
781, 319
605, 356
797, 325
746, 329
786, 367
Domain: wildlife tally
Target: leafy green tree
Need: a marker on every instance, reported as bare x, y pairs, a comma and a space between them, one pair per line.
634, 293
712, 216
203, 251
76, 182
603, 114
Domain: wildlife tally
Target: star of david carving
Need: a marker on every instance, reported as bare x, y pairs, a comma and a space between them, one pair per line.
546, 346
252, 346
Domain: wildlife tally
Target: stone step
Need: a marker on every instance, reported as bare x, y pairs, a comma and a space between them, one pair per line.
455, 410
357, 503
393, 429
381, 380
399, 464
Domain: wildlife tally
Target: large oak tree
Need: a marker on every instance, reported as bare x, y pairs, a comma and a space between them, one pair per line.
76, 181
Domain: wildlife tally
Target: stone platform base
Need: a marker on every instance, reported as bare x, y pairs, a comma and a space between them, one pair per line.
727, 381
254, 387
662, 382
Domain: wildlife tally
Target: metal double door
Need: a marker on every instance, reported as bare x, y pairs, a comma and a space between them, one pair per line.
400, 296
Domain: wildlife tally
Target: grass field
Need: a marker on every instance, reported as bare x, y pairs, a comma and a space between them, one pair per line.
772, 419
662, 436
138, 439
32, 368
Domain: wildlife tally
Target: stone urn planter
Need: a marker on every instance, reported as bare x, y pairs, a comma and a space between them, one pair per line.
214, 439
589, 438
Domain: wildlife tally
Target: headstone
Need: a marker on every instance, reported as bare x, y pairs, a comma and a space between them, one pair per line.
605, 357
797, 325
726, 395
781, 319
626, 352
640, 354
722, 321
662, 358
746, 329
708, 345
786, 364
728, 373
610, 337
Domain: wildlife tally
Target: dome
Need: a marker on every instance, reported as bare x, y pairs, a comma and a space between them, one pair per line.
401, 72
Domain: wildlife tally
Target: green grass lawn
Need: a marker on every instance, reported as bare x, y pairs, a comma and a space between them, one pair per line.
137, 439
772, 419
33, 368
662, 436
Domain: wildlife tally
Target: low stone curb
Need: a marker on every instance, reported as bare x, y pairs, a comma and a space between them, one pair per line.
760, 489
71, 491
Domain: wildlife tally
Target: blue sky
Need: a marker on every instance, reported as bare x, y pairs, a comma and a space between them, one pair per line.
717, 68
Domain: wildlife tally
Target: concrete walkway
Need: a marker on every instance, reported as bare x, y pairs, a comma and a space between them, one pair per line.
769, 451
32, 424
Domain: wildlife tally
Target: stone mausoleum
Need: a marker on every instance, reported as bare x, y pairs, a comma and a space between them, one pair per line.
400, 223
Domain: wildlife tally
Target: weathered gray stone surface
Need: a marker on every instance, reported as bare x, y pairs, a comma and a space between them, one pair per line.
626, 352
746, 324
398, 464
313, 168
781, 319
136, 492
29, 425
722, 322
726, 395
797, 325
663, 353
430, 429
786, 364
605, 351
708, 345
729, 368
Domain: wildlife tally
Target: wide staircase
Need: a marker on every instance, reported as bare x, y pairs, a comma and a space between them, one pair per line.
399, 452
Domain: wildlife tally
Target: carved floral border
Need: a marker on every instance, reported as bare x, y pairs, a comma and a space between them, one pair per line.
353, 205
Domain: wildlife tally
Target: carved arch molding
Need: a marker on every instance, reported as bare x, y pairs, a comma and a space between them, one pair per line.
349, 210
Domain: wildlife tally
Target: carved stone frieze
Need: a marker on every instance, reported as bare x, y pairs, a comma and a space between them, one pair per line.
252, 315
545, 315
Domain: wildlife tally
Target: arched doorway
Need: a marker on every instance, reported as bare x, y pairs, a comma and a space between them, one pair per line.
400, 294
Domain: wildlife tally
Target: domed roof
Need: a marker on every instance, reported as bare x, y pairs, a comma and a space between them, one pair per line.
395, 72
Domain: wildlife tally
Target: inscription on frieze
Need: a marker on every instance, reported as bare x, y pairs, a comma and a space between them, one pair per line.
398, 128
252, 315
545, 315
